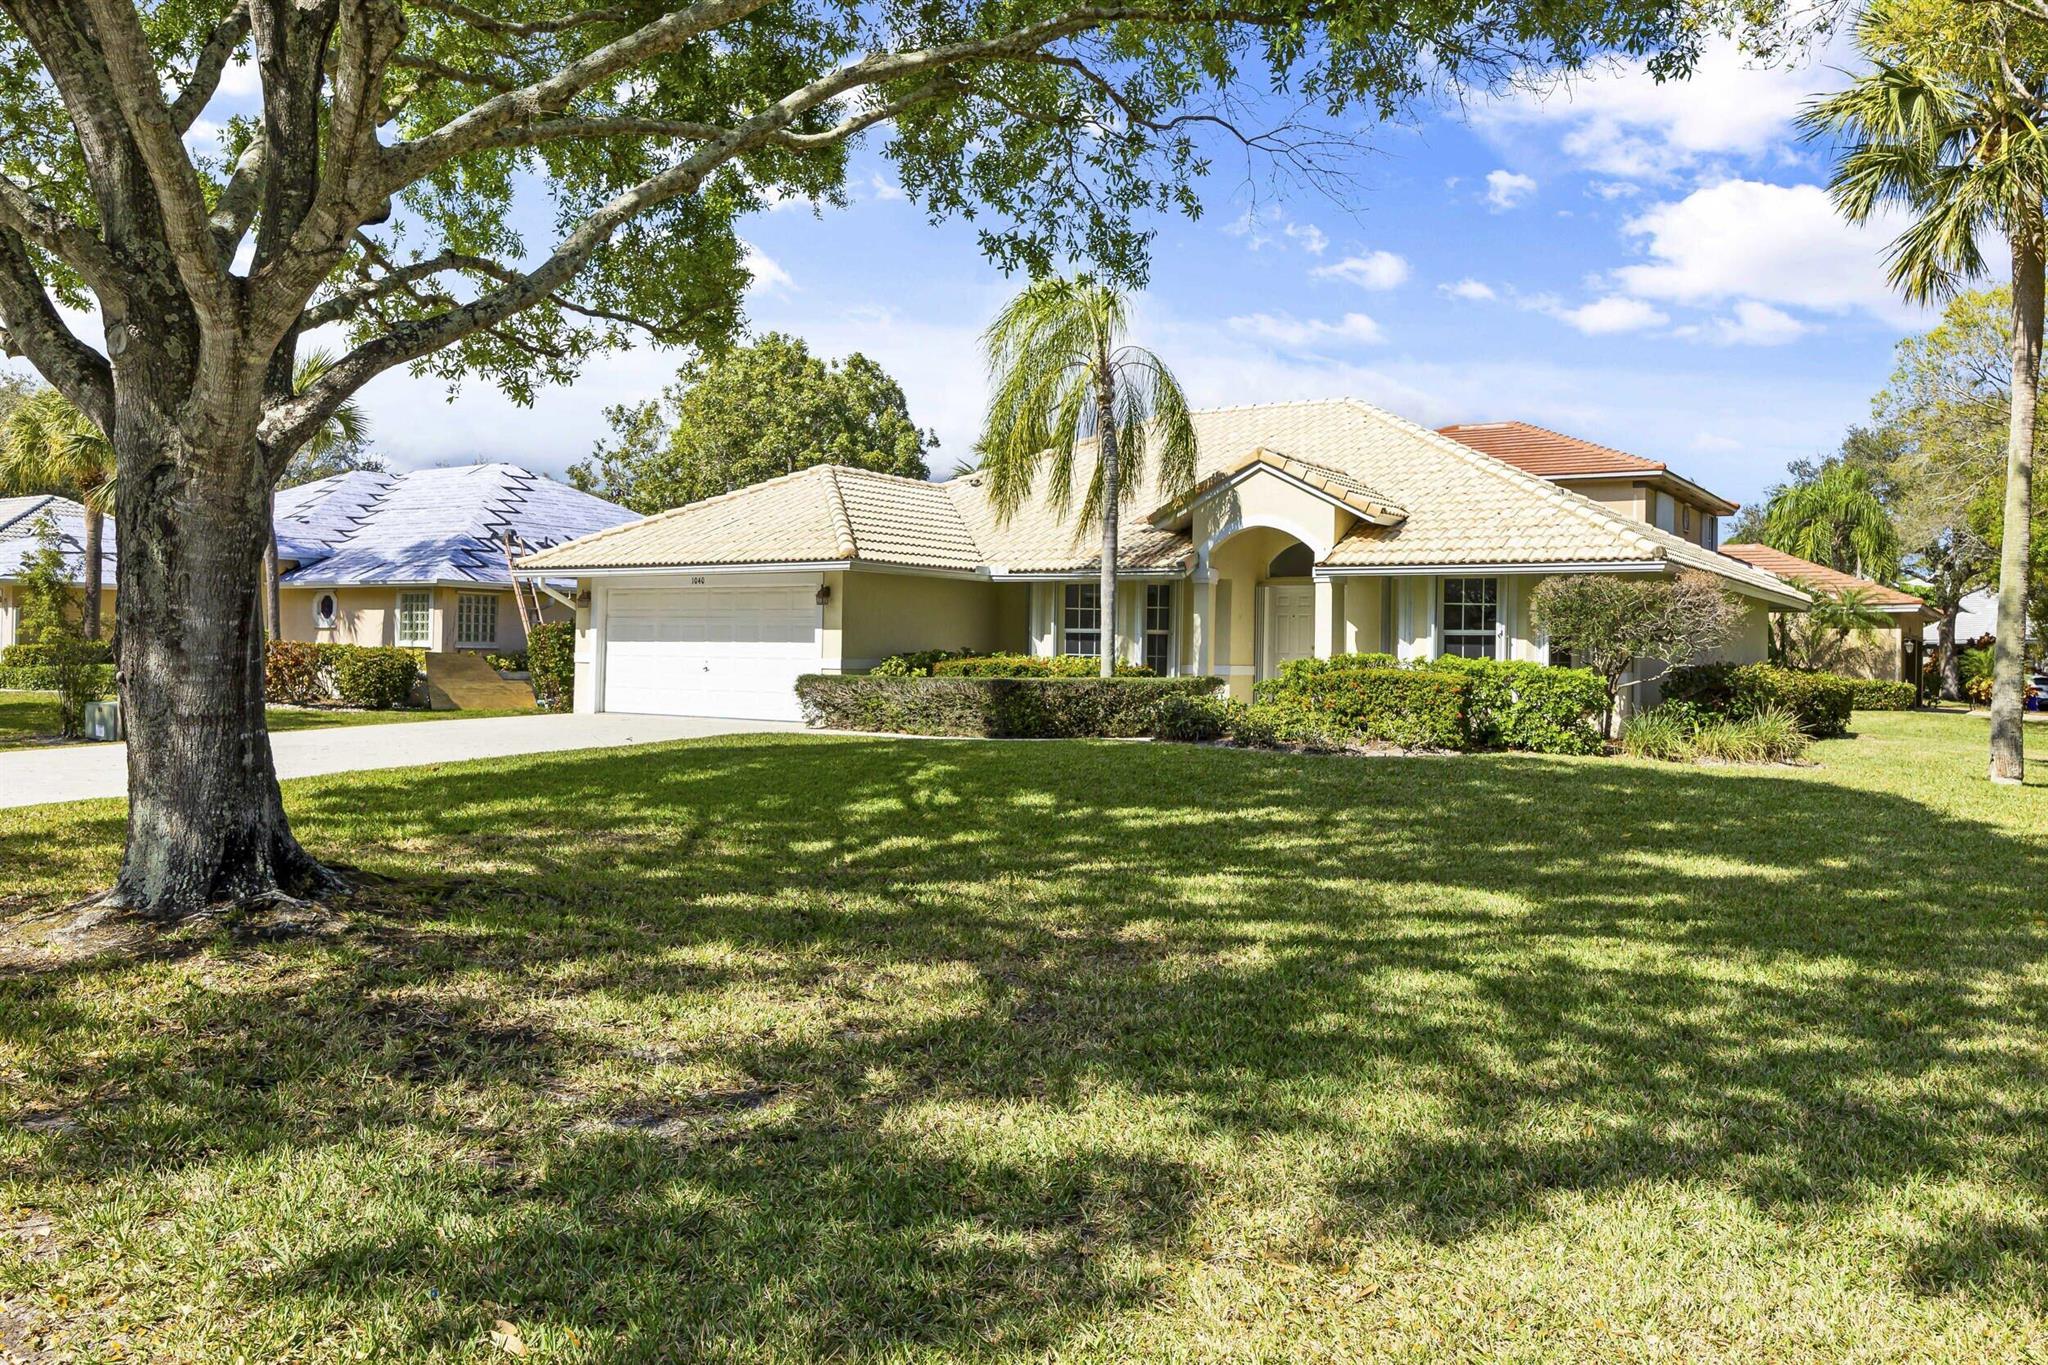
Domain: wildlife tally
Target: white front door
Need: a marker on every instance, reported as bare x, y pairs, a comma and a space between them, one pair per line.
1290, 624
726, 648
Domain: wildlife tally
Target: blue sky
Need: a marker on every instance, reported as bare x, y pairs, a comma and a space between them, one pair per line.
1652, 267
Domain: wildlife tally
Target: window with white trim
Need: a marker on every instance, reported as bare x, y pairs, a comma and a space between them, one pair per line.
1471, 617
476, 619
415, 619
1158, 654
1081, 620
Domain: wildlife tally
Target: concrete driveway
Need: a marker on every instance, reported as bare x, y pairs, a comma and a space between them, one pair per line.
78, 772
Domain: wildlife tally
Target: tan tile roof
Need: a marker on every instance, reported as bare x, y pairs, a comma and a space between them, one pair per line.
1462, 507
1821, 576
1334, 483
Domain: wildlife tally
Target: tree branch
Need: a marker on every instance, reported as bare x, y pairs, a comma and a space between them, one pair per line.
31, 326
55, 232
486, 23
208, 66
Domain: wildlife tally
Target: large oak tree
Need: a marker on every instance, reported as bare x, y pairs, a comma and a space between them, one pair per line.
373, 190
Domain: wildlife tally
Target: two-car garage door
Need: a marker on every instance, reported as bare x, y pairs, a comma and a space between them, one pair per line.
729, 648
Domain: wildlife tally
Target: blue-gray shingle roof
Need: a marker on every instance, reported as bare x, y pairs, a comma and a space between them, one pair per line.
19, 519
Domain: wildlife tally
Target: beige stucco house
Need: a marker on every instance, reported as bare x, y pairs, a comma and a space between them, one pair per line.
1313, 528
1895, 651
21, 523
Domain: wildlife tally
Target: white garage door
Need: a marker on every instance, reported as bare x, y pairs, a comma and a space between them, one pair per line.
720, 649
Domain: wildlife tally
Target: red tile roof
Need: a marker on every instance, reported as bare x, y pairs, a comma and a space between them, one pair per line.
1820, 575
1548, 453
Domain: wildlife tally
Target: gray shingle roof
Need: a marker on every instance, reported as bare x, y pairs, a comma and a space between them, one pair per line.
18, 521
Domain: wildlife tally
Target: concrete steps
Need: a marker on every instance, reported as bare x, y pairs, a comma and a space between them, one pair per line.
458, 680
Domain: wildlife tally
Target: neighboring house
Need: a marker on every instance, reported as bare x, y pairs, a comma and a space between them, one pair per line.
19, 518
420, 558
1645, 490
1314, 528
1976, 618
1894, 651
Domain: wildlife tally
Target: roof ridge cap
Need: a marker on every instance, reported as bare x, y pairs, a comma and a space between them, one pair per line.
842, 521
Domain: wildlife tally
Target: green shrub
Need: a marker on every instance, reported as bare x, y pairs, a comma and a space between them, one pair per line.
1030, 666
1189, 719
371, 677
1016, 708
54, 652
512, 662
551, 658
1358, 699
1977, 690
49, 678
1271, 724
1520, 705
1662, 732
915, 664
1882, 694
295, 672
1819, 701
1772, 735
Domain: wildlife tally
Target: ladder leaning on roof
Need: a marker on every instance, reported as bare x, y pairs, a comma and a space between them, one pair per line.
528, 617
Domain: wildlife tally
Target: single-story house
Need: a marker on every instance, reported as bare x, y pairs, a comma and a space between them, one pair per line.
424, 557
1894, 651
20, 522
1312, 528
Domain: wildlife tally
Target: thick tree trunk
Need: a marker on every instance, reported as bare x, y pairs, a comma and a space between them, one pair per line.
1951, 663
1112, 496
206, 823
2008, 683
95, 531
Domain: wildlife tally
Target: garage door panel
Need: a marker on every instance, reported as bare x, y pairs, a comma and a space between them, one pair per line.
710, 650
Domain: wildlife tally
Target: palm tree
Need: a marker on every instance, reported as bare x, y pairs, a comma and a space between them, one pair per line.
1947, 125
47, 444
1061, 375
1836, 519
1817, 639
347, 427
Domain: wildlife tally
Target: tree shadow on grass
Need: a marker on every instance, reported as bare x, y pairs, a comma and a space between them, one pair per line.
1577, 976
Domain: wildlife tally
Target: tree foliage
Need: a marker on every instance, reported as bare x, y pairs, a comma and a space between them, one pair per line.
48, 446
1838, 519
753, 413
1611, 624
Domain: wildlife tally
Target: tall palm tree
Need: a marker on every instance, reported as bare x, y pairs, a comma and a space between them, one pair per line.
1818, 638
347, 427
47, 444
1061, 375
1947, 125
1836, 519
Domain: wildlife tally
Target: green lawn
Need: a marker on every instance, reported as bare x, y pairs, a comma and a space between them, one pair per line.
788, 1048
31, 717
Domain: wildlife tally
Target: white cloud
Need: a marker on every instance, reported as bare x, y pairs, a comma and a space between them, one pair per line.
1297, 334
769, 276
1613, 189
1312, 238
239, 80
1608, 316
1274, 226
1469, 290
1778, 244
1505, 189
1757, 324
1373, 270
1620, 121
883, 189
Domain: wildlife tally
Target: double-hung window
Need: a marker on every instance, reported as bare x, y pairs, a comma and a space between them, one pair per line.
415, 619
1159, 628
1471, 619
1081, 620
476, 619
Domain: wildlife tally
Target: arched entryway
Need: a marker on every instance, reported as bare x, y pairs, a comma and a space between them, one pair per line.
1264, 581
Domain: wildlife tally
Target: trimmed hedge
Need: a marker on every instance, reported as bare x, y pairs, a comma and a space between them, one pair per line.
1530, 706
1882, 694
1353, 697
45, 655
995, 708
1029, 666
47, 678
373, 677
1820, 702
551, 664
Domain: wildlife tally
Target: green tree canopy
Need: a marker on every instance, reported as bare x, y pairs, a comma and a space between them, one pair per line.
1836, 518
753, 413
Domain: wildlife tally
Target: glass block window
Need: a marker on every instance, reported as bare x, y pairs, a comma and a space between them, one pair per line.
1159, 628
476, 618
1081, 620
1471, 620
415, 618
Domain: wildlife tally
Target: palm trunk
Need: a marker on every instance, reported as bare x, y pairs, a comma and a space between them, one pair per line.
2008, 685
94, 573
1112, 495
1951, 665
206, 823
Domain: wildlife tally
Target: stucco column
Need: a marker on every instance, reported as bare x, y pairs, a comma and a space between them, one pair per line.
1328, 619
1202, 619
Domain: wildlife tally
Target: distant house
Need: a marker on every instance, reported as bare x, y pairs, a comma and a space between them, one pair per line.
1894, 651
19, 520
1312, 528
422, 558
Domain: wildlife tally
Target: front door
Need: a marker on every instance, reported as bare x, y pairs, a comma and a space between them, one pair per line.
1290, 624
